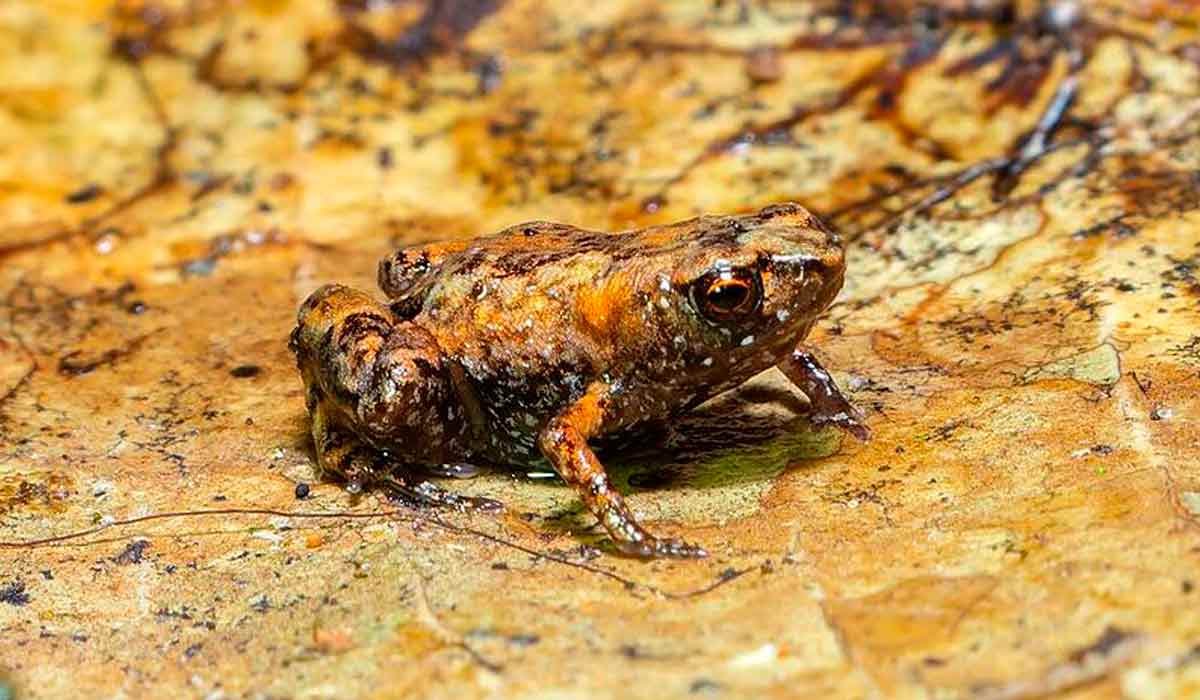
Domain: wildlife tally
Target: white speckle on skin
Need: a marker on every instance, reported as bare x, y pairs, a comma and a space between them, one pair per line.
664, 283
747, 340
707, 362
793, 259
783, 314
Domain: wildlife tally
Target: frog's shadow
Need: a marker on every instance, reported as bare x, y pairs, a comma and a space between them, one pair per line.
746, 435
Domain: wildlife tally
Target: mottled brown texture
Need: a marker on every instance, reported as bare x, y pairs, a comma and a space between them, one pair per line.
1016, 185
527, 345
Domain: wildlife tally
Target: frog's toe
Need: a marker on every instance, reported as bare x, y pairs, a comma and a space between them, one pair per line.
678, 549
662, 548
859, 430
849, 420
454, 470
426, 494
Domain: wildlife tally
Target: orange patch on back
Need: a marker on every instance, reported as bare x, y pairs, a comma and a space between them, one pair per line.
601, 308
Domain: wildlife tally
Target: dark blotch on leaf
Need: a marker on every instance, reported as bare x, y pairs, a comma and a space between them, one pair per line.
84, 194
200, 268
524, 640
704, 686
133, 553
383, 157
14, 593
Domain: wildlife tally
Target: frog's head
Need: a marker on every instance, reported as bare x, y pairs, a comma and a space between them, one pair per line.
750, 287
784, 264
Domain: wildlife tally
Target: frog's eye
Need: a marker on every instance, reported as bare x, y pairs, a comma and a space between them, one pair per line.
727, 293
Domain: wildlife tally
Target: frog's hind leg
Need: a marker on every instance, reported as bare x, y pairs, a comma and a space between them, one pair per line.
415, 491
373, 380
342, 454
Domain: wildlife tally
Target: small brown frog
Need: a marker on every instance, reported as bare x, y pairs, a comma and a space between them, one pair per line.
526, 344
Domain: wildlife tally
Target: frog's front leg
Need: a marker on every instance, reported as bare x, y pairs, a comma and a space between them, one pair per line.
564, 442
829, 405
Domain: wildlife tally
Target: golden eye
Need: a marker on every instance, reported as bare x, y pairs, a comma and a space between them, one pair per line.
726, 293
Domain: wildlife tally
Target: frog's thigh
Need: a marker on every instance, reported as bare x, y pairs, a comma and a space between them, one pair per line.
368, 378
338, 332
564, 442
829, 405
380, 377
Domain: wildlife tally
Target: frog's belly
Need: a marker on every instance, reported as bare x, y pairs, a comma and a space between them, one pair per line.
510, 422
509, 410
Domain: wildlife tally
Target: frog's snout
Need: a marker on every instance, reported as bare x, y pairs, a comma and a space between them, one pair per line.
832, 237
832, 274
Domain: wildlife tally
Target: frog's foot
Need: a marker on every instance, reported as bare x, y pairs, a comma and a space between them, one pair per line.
829, 406
343, 455
456, 470
417, 492
656, 548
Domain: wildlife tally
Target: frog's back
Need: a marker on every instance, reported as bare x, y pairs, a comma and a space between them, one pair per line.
507, 309
534, 314
532, 247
